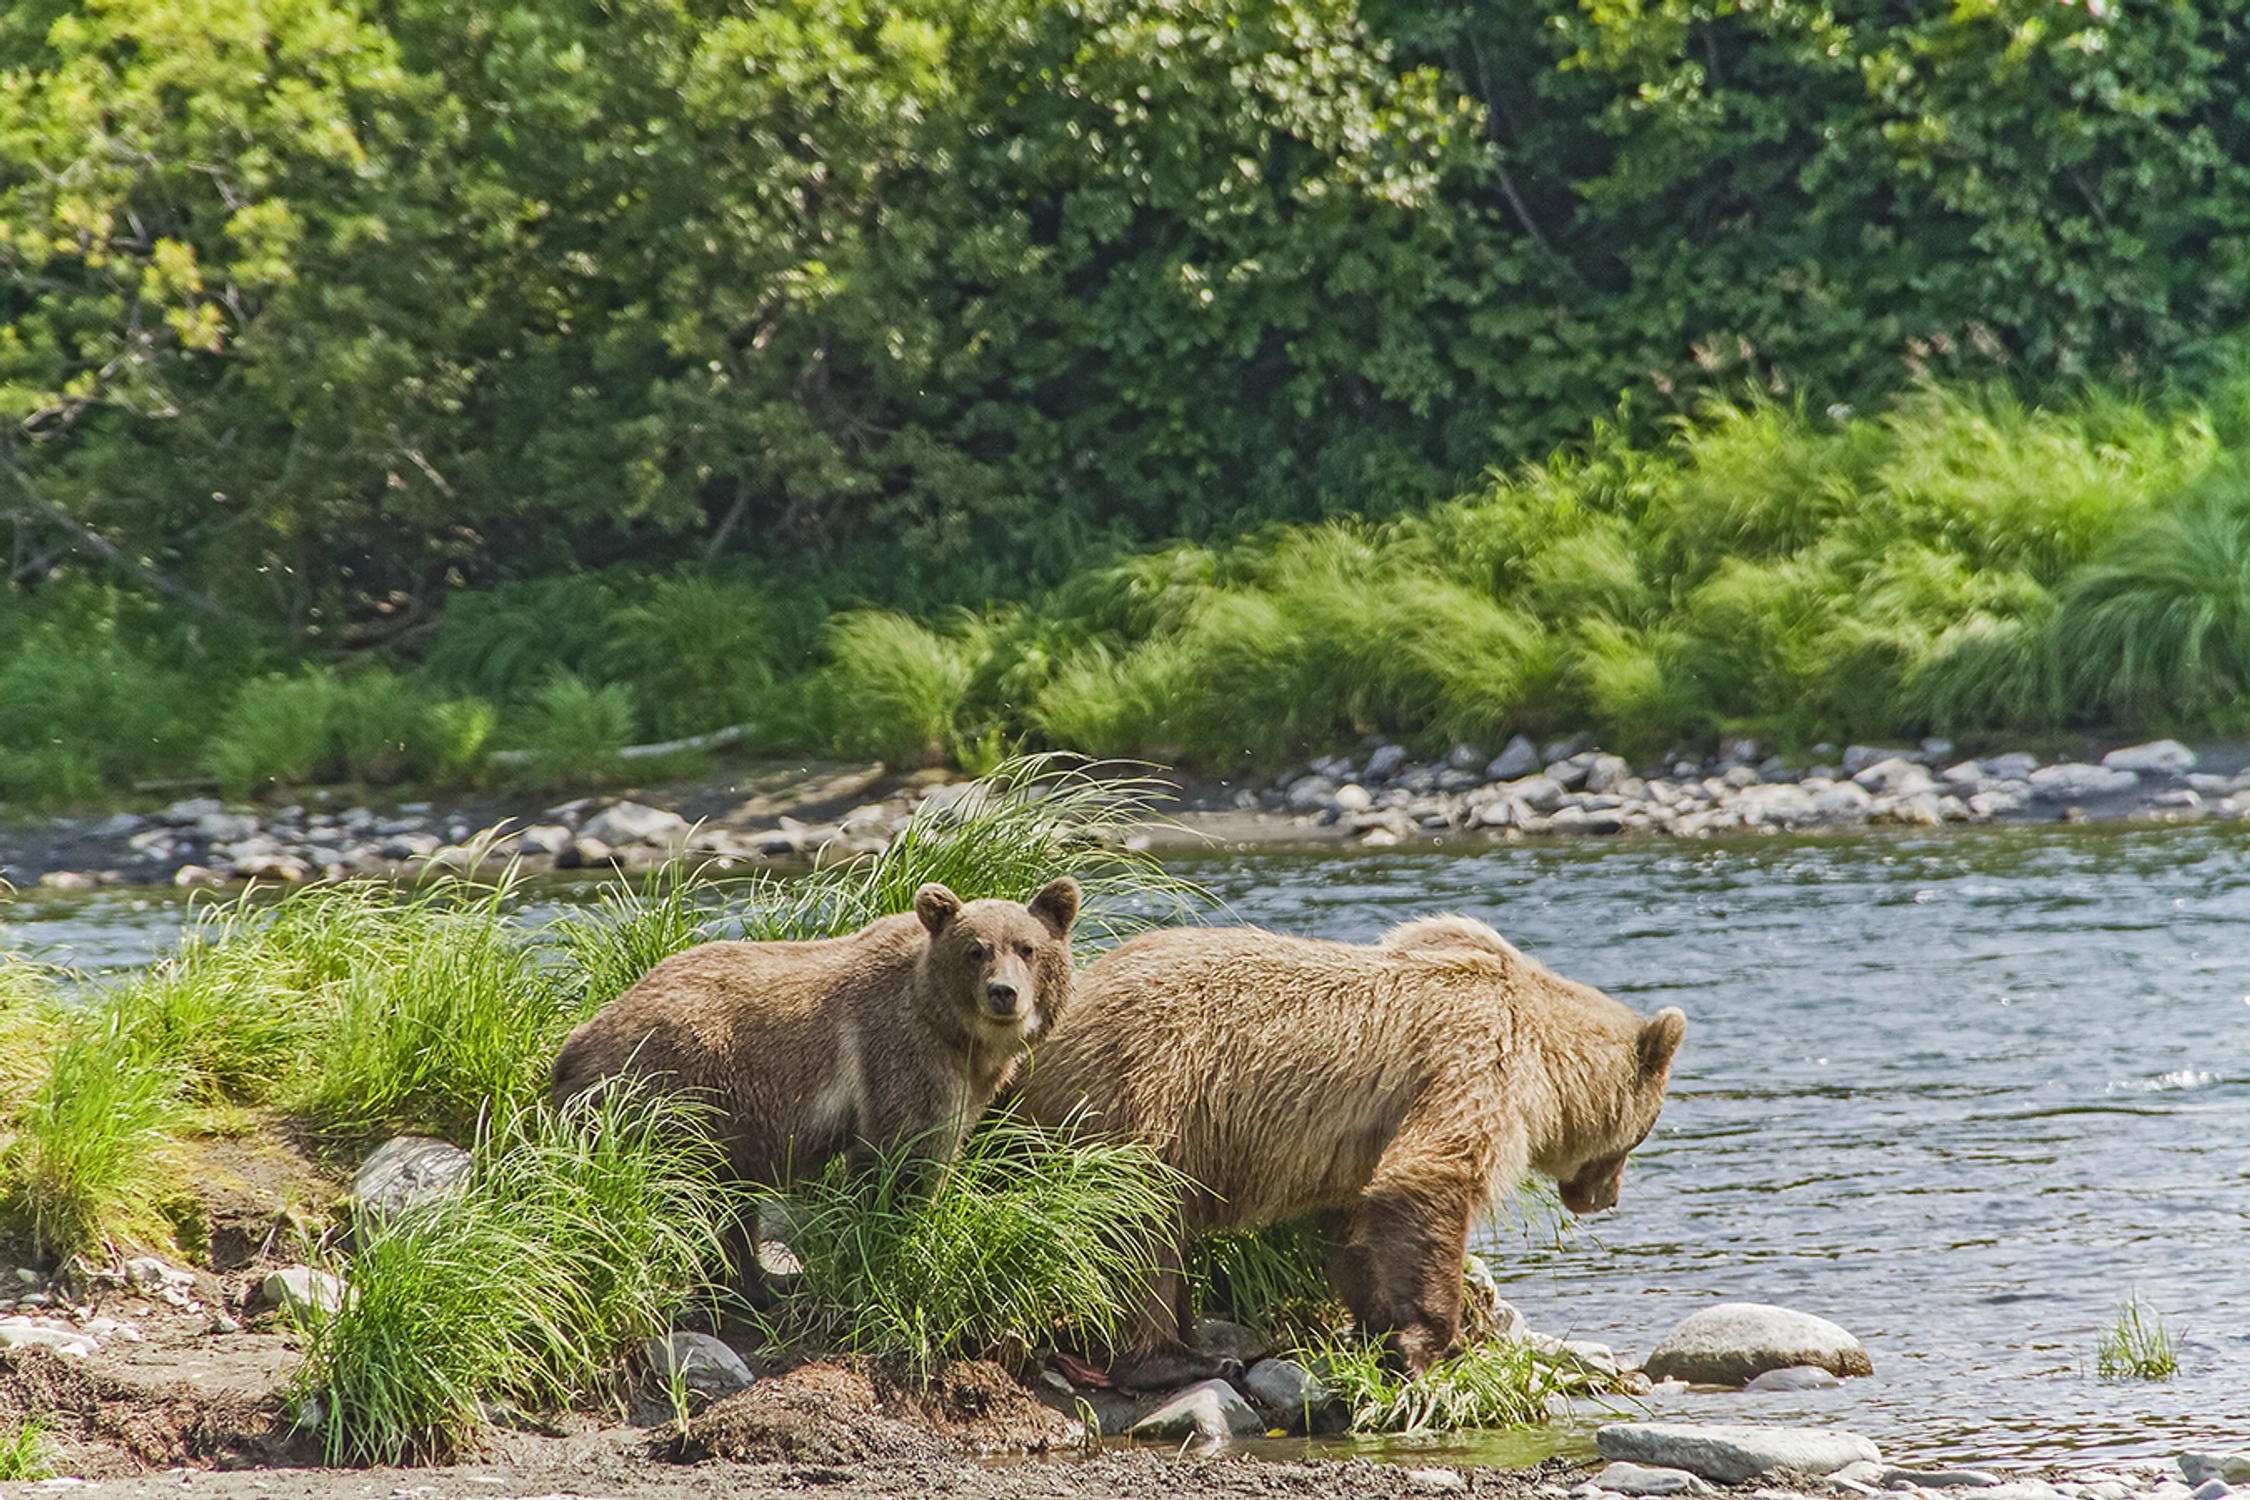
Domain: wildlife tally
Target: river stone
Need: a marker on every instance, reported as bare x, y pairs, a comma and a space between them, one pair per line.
1858, 758
1211, 1411
298, 1290
1793, 1378
2234, 1468
1895, 777
1845, 802
51, 1333
405, 1172
1224, 1340
1351, 797
2073, 781
1736, 1341
700, 1362
2211, 1489
544, 838
1541, 794
1731, 1454
1383, 764
1311, 793
2164, 757
1938, 1479
1640, 1479
1436, 1481
1520, 758
1295, 1393
631, 823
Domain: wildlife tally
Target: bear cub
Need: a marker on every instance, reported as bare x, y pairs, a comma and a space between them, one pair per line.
1389, 1092
903, 1031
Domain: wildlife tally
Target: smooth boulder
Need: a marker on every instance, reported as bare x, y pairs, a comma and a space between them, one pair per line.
698, 1362
1735, 1342
1730, 1454
405, 1172
1210, 1412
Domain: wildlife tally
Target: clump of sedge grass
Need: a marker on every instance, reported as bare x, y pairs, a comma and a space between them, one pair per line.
2137, 1346
1273, 1279
582, 1231
24, 1455
1503, 1383
627, 932
1026, 1236
1031, 820
84, 1160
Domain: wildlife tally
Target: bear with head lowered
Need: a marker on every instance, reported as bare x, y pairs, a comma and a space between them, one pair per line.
899, 1033
1391, 1091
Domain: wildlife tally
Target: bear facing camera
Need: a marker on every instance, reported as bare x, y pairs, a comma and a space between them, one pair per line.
901, 1032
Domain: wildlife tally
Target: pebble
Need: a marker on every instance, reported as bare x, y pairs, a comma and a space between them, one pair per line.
404, 1172
1437, 1481
1639, 1479
301, 1289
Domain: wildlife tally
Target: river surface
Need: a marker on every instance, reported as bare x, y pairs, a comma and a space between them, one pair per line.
1965, 1094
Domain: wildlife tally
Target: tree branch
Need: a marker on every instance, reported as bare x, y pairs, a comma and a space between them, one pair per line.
85, 539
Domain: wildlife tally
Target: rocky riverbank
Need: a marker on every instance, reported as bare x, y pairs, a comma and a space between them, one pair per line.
793, 815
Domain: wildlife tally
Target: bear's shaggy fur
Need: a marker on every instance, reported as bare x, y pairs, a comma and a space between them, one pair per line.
1391, 1090
902, 1032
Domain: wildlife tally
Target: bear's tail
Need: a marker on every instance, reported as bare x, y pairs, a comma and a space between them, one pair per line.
1451, 931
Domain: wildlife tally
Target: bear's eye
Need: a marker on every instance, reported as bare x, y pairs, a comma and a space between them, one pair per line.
976, 952
1023, 951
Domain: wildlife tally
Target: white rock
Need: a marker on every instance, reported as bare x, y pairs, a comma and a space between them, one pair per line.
1938, 1479
2073, 781
1845, 802
298, 1290
1966, 775
699, 1362
1604, 772
1351, 797
1464, 757
1640, 1479
146, 1273
1731, 1454
632, 823
1733, 1342
1211, 1410
1542, 794
1999, 798
19, 1333
544, 838
1895, 777
1858, 758
2163, 757
1436, 1481
405, 1172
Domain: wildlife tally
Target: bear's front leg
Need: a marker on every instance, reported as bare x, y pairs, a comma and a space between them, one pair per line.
1415, 1246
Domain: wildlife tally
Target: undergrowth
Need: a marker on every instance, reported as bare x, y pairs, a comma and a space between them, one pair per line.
25, 1457
1501, 1383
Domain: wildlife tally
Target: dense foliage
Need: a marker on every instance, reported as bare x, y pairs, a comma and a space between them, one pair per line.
595, 368
310, 308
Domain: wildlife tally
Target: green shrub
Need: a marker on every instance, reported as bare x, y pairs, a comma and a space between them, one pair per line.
898, 687
1026, 1236
2157, 630
278, 730
577, 729
84, 1162
444, 1016
582, 1231
505, 643
696, 652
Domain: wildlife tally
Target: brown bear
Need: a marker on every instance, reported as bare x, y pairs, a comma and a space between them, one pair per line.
901, 1032
1391, 1091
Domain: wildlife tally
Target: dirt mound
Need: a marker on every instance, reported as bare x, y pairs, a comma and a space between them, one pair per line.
109, 1422
823, 1415
980, 1406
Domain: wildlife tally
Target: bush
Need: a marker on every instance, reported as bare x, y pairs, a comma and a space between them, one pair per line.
84, 1162
898, 687
581, 1232
576, 730
1024, 1237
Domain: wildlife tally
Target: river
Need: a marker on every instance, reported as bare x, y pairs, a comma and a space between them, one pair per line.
1965, 1094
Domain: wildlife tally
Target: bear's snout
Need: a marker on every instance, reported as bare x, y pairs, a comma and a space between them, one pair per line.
1002, 999
1595, 1188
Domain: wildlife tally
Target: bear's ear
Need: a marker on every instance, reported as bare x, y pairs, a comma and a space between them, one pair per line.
1057, 904
936, 906
1660, 1038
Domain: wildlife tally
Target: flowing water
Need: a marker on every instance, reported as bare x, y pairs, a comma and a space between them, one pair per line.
1964, 1094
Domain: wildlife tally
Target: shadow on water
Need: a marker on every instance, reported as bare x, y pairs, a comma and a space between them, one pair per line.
1964, 1093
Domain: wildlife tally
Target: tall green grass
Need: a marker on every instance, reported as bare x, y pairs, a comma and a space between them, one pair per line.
898, 687
1025, 1237
372, 726
2137, 1346
582, 1231
84, 1161
1506, 1383
24, 1454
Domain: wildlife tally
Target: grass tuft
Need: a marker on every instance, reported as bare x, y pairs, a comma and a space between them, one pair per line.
583, 1230
1273, 1279
85, 1160
24, 1455
2137, 1346
1026, 1236
1505, 1383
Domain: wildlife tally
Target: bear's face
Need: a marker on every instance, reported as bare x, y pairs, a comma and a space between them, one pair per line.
1003, 965
1591, 1183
